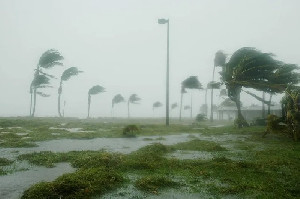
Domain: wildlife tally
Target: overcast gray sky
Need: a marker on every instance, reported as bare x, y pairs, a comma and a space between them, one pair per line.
119, 45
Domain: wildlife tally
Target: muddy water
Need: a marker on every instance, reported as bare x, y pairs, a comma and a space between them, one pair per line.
13, 185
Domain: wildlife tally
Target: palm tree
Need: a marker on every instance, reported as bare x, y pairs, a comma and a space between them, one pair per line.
181, 97
212, 85
156, 105
220, 60
251, 68
133, 99
48, 60
116, 100
39, 81
191, 82
174, 105
94, 91
66, 75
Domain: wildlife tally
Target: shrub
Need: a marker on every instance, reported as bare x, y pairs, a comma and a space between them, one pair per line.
201, 118
130, 130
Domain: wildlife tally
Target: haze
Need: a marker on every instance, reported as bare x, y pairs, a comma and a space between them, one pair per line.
120, 46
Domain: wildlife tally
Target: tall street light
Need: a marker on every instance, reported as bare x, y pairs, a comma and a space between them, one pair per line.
166, 21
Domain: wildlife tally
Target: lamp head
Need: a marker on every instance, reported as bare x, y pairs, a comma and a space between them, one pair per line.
163, 21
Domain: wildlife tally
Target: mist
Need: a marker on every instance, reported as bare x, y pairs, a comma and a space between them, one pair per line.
120, 46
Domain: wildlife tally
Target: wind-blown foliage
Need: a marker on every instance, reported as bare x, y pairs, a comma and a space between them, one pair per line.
157, 105
66, 75
191, 82
133, 99
117, 99
174, 105
251, 68
49, 59
94, 91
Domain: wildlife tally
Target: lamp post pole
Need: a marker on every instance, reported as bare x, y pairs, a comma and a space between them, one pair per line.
166, 21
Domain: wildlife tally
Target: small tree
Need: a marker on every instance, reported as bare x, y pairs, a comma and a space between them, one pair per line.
94, 91
133, 99
66, 75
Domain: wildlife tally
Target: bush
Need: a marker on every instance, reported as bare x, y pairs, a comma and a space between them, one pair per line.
130, 130
201, 118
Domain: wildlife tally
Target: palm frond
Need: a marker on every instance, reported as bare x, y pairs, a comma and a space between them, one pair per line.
50, 58
117, 99
220, 59
70, 72
134, 99
96, 90
157, 104
191, 82
42, 94
174, 105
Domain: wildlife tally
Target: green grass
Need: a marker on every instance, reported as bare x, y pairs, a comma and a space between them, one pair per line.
5, 162
252, 167
154, 183
84, 183
199, 145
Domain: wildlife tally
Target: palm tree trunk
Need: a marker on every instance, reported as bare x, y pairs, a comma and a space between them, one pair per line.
191, 104
212, 97
263, 106
211, 105
30, 102
37, 72
180, 106
89, 105
34, 102
269, 105
128, 109
241, 122
59, 95
206, 107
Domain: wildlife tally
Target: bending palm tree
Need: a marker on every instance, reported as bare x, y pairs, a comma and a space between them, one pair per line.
39, 81
49, 59
116, 100
191, 82
133, 99
94, 91
212, 85
220, 59
66, 75
156, 105
251, 68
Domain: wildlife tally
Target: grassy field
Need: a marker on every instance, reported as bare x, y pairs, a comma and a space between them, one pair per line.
215, 162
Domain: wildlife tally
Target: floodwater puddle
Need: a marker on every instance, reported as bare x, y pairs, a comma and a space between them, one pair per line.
13, 185
71, 130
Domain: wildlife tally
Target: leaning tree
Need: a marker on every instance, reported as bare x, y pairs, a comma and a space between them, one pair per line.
156, 105
212, 85
116, 100
250, 68
48, 60
39, 81
94, 91
133, 99
66, 75
191, 82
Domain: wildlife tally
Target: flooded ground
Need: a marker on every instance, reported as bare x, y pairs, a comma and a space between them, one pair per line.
11, 187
